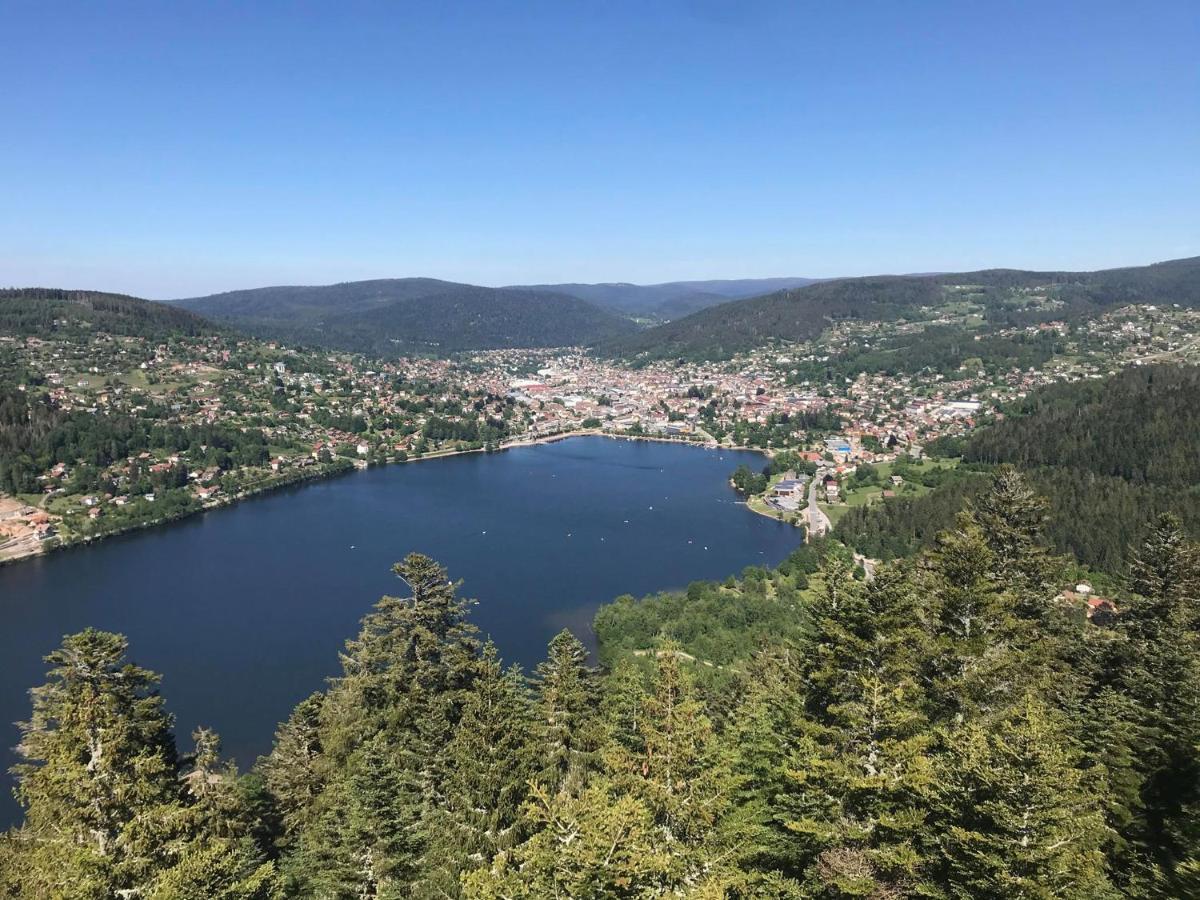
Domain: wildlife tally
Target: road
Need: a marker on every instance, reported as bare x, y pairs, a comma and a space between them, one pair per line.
818, 523
1186, 348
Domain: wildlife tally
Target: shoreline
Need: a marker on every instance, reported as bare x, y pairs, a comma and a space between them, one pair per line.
767, 514
356, 466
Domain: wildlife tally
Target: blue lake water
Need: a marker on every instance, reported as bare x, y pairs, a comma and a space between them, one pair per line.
243, 610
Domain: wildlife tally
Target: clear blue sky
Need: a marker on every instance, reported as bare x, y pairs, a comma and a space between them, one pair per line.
175, 148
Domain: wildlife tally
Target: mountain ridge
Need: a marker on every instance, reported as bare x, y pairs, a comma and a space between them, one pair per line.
802, 313
669, 299
403, 315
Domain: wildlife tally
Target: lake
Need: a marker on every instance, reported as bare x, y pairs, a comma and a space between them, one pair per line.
243, 610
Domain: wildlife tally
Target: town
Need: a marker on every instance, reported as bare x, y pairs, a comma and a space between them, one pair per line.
223, 417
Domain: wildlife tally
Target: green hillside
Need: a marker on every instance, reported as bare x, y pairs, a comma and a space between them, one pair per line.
1108, 455
412, 315
42, 312
1007, 296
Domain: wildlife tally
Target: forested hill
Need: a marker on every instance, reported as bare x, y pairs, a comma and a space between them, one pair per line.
41, 312
672, 299
803, 313
412, 315
952, 729
1107, 454
1142, 425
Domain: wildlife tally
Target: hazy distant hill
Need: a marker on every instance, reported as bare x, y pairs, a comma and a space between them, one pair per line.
404, 315
41, 312
802, 313
672, 299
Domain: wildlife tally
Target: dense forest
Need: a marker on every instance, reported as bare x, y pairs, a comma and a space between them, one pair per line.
1108, 454
1142, 424
389, 317
949, 729
46, 312
802, 313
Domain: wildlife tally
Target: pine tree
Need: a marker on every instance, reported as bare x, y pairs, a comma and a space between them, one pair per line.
383, 729
215, 802
292, 770
14, 863
974, 661
660, 819
1165, 576
409, 667
1111, 741
602, 843
489, 764
842, 633
218, 871
1016, 817
99, 768
684, 777
771, 735
208, 841
1011, 517
1160, 674
365, 839
623, 693
569, 731
857, 798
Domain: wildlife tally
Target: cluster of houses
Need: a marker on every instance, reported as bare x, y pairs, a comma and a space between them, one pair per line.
23, 528
1098, 609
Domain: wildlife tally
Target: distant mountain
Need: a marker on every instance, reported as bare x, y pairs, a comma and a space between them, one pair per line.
672, 299
407, 315
40, 312
803, 313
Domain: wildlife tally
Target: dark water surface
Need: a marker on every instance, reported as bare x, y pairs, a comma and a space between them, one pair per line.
243, 610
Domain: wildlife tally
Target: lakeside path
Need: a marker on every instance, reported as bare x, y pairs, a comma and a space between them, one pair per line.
15, 553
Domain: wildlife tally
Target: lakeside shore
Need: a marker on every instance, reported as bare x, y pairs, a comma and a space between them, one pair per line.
46, 548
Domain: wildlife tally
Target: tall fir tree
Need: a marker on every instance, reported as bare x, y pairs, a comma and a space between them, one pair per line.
1160, 675
857, 799
1050, 637
842, 631
364, 841
772, 737
1016, 817
622, 696
489, 764
685, 778
1165, 577
661, 819
1107, 728
409, 667
974, 662
98, 772
384, 726
1011, 517
209, 843
601, 843
293, 771
569, 732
